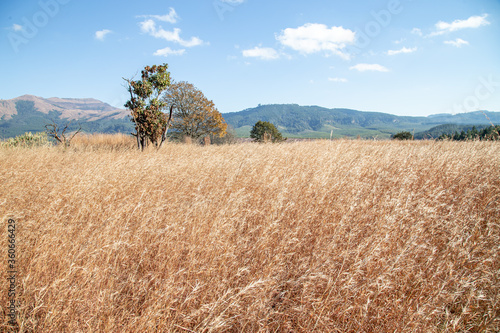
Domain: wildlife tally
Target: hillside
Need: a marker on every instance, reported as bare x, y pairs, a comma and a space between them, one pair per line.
31, 113
314, 121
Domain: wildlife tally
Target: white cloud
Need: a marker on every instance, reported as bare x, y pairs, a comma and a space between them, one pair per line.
337, 79
265, 53
17, 27
314, 37
417, 31
99, 35
233, 2
403, 50
369, 67
171, 17
472, 22
149, 27
168, 51
457, 42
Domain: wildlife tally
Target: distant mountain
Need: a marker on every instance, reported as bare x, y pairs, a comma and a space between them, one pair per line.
30, 113
313, 121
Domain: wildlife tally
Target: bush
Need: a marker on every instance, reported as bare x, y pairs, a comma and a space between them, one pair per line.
402, 136
264, 131
28, 139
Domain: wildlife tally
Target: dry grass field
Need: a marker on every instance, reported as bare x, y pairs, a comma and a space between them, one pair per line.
320, 236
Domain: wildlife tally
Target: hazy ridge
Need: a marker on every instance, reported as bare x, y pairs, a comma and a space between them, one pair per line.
31, 113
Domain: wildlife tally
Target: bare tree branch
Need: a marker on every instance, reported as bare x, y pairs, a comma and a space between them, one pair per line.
54, 131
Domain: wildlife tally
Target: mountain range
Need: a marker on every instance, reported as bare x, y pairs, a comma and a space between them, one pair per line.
317, 122
31, 113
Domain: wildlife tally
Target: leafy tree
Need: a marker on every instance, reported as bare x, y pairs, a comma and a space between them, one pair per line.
402, 136
264, 131
194, 115
146, 105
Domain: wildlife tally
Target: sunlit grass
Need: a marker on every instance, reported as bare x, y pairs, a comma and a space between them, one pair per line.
324, 236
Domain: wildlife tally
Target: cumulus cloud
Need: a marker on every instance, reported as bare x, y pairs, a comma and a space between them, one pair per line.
472, 22
265, 53
171, 17
369, 67
168, 51
314, 37
337, 79
101, 34
149, 26
403, 50
457, 42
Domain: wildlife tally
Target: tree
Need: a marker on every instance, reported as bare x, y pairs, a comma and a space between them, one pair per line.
54, 131
194, 115
403, 136
264, 131
146, 105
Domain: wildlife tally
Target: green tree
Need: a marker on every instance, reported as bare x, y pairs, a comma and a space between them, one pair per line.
194, 115
402, 136
146, 105
264, 131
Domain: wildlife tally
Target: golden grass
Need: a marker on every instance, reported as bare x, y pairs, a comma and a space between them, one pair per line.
322, 236
99, 141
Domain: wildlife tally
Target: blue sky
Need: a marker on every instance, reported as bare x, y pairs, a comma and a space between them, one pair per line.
405, 57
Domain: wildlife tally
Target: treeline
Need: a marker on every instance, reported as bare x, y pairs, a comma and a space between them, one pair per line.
486, 134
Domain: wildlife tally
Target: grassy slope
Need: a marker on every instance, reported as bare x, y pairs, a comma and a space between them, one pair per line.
349, 236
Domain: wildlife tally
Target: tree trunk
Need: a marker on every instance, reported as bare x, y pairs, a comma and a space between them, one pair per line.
164, 135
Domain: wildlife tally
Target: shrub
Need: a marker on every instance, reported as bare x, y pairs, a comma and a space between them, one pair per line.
264, 131
402, 136
28, 139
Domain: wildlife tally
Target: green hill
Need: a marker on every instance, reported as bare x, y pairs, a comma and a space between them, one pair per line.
30, 114
317, 122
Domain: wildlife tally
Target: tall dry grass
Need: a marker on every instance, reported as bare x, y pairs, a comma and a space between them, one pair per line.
100, 141
324, 236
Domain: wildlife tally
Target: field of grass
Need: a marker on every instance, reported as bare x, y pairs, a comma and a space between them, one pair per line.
317, 236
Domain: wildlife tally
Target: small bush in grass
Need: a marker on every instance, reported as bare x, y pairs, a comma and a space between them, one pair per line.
402, 136
264, 131
28, 139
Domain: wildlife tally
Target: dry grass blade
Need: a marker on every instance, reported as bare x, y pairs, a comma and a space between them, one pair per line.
324, 236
